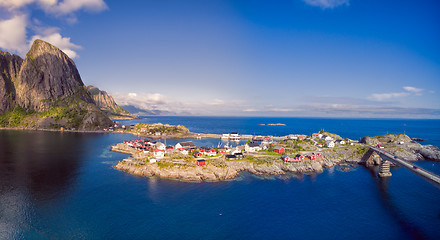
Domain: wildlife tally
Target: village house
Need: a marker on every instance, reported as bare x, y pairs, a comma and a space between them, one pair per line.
200, 162
278, 149
340, 142
185, 145
160, 146
331, 144
230, 157
184, 151
315, 135
159, 154
252, 147
239, 155
299, 158
223, 150
327, 138
208, 151
285, 158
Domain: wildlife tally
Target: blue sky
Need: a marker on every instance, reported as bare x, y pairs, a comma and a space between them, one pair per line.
319, 58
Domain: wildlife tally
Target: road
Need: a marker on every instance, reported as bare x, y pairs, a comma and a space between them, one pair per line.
429, 176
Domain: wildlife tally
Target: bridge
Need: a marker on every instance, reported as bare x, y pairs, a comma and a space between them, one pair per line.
388, 157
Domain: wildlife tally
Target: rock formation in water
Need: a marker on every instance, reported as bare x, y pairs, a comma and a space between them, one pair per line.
107, 104
45, 91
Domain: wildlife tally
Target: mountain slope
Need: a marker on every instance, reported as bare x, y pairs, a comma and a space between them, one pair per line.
46, 91
107, 104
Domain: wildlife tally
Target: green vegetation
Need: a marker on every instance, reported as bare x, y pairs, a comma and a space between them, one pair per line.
361, 150
165, 164
14, 117
218, 163
257, 160
159, 128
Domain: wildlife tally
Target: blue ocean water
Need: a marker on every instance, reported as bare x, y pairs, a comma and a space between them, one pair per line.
62, 186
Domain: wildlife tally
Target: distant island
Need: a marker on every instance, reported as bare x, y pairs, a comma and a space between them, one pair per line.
272, 124
261, 155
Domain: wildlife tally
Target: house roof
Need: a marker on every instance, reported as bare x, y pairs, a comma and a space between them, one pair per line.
253, 144
187, 144
278, 147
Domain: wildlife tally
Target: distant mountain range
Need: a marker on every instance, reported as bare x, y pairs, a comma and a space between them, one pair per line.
107, 104
144, 112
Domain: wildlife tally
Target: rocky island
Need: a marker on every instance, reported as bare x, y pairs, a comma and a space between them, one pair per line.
289, 156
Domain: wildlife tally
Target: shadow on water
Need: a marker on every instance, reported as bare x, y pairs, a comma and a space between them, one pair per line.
41, 163
386, 198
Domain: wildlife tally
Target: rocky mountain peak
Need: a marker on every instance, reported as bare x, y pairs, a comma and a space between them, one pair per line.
45, 90
47, 75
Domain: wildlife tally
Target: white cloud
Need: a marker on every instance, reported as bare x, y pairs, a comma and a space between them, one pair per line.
13, 34
13, 31
216, 102
386, 96
327, 3
56, 7
417, 91
69, 6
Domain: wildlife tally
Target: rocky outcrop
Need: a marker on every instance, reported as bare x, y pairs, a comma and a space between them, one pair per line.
9, 69
47, 90
386, 139
429, 152
107, 104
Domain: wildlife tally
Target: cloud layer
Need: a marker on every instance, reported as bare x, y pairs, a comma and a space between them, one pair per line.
332, 107
327, 3
14, 30
387, 96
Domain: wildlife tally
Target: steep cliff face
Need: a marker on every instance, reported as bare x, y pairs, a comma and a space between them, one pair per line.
106, 103
45, 91
9, 69
46, 76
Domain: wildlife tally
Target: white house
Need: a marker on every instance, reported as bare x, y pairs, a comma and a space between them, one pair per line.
327, 138
153, 160
159, 154
252, 147
185, 145
184, 151
341, 142
331, 144
160, 146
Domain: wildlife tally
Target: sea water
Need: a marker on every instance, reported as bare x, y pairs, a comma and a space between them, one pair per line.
62, 186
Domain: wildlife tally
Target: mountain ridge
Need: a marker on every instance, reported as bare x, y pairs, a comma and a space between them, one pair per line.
107, 104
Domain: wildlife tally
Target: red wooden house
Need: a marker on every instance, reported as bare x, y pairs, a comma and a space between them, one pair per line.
200, 162
278, 149
299, 157
285, 158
